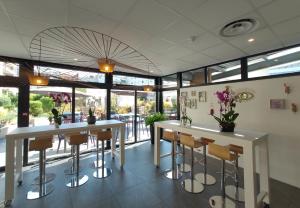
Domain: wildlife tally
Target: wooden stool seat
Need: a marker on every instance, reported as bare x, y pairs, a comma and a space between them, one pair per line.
206, 141
188, 140
104, 135
236, 149
77, 139
169, 135
221, 152
40, 143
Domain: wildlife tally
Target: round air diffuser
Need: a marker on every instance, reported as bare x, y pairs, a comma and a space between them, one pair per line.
239, 27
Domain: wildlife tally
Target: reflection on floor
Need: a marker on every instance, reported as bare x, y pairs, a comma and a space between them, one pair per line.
139, 184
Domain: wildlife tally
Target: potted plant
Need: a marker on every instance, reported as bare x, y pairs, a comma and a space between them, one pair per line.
57, 117
60, 101
151, 119
91, 119
227, 101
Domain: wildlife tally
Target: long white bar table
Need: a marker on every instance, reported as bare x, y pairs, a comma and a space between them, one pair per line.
247, 139
14, 146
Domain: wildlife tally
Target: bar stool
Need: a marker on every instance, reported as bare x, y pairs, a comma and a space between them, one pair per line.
205, 178
75, 140
93, 134
101, 171
234, 191
42, 189
224, 154
174, 173
191, 184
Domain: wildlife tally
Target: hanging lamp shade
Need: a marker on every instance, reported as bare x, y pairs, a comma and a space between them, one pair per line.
105, 66
38, 80
148, 88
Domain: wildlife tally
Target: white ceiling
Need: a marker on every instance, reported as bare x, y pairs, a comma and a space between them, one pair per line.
160, 29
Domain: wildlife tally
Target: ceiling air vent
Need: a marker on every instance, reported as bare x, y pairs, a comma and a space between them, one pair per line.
239, 27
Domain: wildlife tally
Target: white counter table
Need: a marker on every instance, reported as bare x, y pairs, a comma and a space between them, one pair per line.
247, 139
14, 146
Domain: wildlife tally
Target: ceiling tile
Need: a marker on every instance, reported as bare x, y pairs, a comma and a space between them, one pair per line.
289, 27
11, 45
183, 7
157, 45
262, 37
90, 20
150, 16
130, 35
5, 23
262, 47
113, 9
215, 13
199, 59
280, 10
290, 39
51, 12
202, 42
181, 31
177, 52
223, 52
259, 3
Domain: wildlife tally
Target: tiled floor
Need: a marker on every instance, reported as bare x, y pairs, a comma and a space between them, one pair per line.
140, 184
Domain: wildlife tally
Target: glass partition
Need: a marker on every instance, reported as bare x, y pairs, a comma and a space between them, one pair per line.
130, 80
146, 103
276, 63
9, 69
224, 72
170, 104
8, 116
192, 78
169, 81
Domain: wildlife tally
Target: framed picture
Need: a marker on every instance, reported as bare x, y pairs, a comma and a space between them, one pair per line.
193, 93
184, 94
277, 103
193, 103
202, 96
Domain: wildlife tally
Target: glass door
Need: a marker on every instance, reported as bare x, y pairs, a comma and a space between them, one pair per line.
170, 104
122, 108
146, 103
8, 116
41, 103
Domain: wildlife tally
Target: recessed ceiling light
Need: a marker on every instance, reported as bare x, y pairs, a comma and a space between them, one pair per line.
251, 40
151, 71
75, 59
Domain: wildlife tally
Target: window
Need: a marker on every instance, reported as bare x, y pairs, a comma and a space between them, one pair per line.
281, 62
195, 77
128, 80
224, 72
170, 104
169, 81
71, 75
9, 69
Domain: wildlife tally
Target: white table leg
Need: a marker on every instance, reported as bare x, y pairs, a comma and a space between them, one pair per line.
156, 146
9, 171
264, 170
19, 160
122, 146
250, 176
113, 142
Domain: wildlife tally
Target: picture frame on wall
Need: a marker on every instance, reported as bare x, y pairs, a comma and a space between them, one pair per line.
202, 96
277, 103
193, 93
184, 94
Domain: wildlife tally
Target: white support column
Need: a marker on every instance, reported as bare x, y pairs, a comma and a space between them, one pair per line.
250, 176
19, 160
9, 171
113, 142
122, 146
156, 146
264, 170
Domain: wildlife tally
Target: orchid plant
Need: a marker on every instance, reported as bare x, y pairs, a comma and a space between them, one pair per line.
227, 101
60, 100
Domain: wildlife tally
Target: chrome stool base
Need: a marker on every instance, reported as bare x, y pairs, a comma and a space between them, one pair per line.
220, 202
231, 190
192, 186
94, 164
40, 191
173, 174
102, 173
76, 181
210, 180
48, 178
185, 168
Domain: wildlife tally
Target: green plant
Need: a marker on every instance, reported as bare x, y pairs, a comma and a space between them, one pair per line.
47, 103
5, 101
35, 108
57, 116
151, 119
186, 118
91, 112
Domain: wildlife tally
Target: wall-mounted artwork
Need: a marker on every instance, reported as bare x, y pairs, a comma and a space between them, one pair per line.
202, 96
184, 94
244, 96
193, 93
193, 103
277, 103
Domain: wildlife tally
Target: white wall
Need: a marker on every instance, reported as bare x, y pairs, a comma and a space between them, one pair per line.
283, 126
